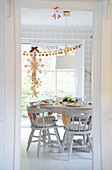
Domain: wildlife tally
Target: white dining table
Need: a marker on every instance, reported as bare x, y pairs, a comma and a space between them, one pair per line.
60, 109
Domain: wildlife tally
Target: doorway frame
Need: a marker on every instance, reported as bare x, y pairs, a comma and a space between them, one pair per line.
96, 62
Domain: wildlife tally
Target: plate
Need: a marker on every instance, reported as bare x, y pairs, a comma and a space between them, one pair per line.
72, 105
44, 104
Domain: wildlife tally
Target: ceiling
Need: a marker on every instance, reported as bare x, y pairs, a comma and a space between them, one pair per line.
44, 17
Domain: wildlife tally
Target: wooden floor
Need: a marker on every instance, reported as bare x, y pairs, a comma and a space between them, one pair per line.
50, 159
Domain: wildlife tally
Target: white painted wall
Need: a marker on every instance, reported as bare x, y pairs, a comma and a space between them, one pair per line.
105, 97
2, 104
44, 17
7, 54
1, 65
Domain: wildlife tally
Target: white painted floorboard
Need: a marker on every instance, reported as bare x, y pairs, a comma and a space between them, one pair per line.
49, 159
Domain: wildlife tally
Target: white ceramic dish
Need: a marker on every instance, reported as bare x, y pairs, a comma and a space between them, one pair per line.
73, 105
65, 103
45, 104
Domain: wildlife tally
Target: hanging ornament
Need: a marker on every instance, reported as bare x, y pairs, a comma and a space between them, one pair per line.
34, 49
34, 66
66, 49
34, 92
57, 13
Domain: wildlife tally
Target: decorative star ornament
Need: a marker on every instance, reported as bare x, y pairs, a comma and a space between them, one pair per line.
34, 92
34, 66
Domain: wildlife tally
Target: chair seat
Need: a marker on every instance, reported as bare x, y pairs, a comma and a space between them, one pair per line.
47, 117
47, 122
75, 127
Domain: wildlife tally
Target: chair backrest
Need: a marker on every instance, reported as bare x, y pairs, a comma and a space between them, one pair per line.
80, 122
34, 115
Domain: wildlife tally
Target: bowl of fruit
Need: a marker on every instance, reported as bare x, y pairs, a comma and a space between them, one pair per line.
67, 100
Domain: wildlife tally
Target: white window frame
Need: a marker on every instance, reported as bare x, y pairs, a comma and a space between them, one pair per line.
77, 87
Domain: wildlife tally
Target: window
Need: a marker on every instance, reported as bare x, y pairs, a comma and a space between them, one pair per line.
54, 81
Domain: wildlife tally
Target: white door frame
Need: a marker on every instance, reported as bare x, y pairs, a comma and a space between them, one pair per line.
96, 70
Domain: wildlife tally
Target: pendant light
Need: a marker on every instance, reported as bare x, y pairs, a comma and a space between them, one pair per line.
66, 61
66, 14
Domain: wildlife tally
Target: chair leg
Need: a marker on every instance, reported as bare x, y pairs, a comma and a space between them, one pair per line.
64, 140
58, 139
44, 138
39, 141
70, 148
30, 139
90, 142
49, 137
84, 139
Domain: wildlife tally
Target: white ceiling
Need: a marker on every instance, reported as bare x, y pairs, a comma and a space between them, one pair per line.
44, 17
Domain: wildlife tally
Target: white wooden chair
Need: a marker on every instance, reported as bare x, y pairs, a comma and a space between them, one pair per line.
80, 125
43, 124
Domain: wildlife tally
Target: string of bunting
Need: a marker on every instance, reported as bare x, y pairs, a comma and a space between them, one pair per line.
52, 53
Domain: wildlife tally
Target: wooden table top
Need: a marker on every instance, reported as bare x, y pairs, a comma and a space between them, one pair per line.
64, 109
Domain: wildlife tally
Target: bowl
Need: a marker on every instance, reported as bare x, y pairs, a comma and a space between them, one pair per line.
64, 103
